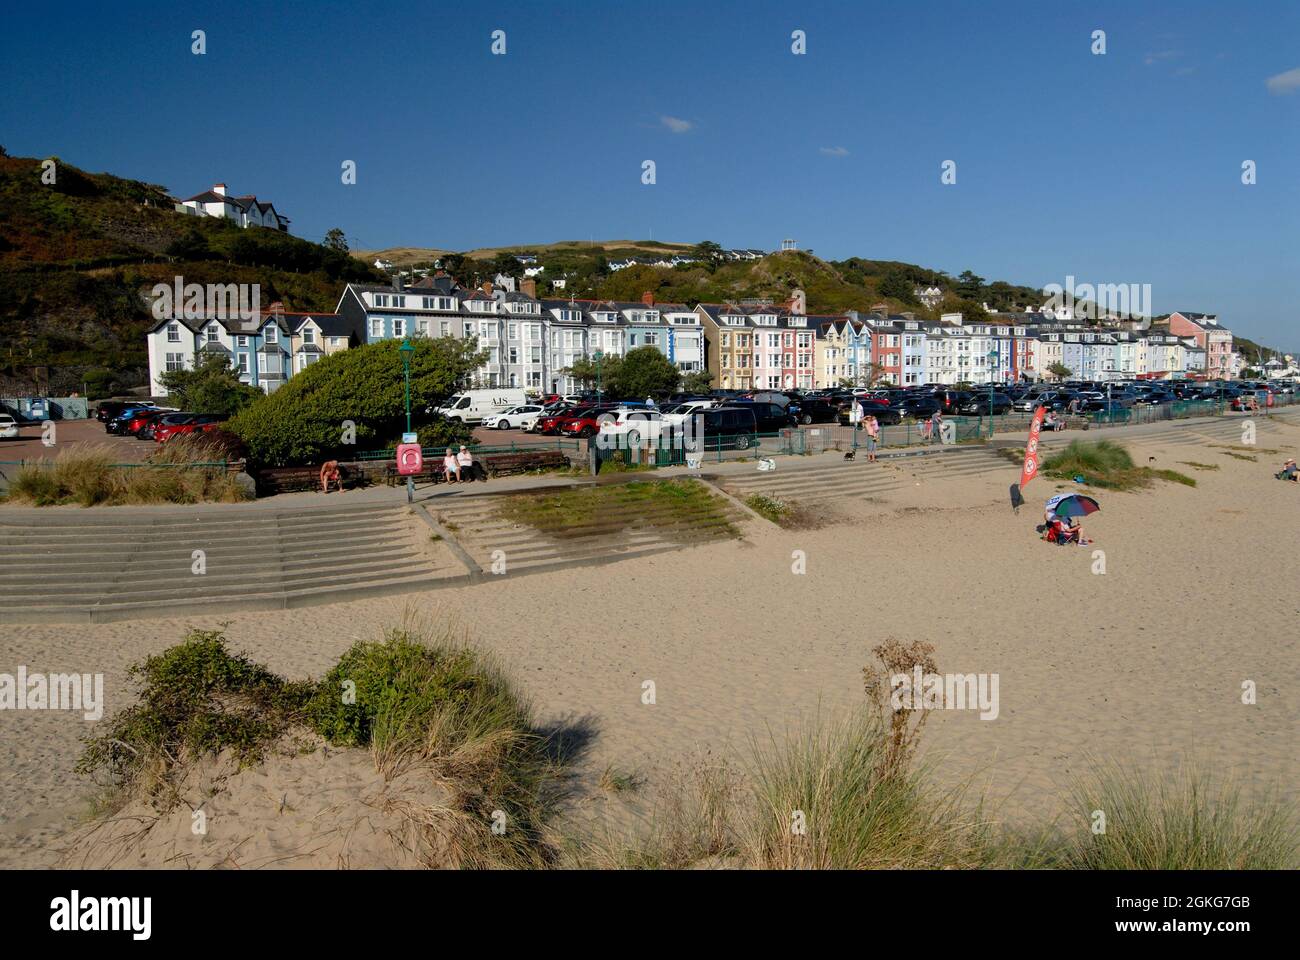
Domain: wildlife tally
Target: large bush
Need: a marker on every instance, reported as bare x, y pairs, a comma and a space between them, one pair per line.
306, 420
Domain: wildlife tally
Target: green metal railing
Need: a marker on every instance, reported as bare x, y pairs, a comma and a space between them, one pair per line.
558, 443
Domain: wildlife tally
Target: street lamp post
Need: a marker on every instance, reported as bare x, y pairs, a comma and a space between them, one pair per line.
406, 349
996, 356
598, 357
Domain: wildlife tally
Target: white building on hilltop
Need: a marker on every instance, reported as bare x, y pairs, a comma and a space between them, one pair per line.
246, 211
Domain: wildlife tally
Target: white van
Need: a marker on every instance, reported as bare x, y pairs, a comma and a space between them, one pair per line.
472, 406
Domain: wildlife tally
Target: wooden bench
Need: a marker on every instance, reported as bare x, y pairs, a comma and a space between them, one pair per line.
501, 464
274, 480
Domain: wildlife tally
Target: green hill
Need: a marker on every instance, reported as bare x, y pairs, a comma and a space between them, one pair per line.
76, 254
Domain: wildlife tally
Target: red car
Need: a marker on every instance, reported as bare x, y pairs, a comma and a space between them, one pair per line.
585, 422
199, 423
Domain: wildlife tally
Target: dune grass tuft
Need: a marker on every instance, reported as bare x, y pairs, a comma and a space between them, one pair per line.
92, 476
1107, 465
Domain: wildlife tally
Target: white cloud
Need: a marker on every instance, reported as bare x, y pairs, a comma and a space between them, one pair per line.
676, 124
1288, 82
835, 151
1153, 58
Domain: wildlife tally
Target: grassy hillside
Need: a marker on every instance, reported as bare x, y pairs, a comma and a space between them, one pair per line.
76, 254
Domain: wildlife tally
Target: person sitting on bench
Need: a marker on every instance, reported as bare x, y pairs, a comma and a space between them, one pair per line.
451, 466
469, 470
330, 471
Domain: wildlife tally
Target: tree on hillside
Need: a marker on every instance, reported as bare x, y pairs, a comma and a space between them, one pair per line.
972, 311
305, 421
709, 252
335, 240
192, 246
970, 286
212, 386
897, 285
506, 263
630, 282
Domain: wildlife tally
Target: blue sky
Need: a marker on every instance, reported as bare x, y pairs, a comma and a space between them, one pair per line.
1122, 168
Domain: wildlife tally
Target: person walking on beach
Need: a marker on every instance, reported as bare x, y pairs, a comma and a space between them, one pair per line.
927, 428
330, 472
873, 437
451, 466
936, 425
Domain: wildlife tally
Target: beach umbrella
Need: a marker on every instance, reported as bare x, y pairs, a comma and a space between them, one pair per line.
1072, 505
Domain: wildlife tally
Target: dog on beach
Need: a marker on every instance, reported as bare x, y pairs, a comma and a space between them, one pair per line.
851, 455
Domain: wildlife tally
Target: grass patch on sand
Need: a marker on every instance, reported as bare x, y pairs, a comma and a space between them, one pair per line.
1199, 466
681, 509
784, 513
1182, 820
1106, 465
850, 794
418, 698
91, 476
1241, 456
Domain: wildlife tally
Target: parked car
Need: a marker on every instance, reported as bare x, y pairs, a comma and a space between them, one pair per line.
117, 423
516, 418
634, 425
984, 403
731, 426
769, 417
953, 399
678, 415
885, 415
472, 406
8, 427
149, 430
108, 409
195, 423
583, 422
816, 410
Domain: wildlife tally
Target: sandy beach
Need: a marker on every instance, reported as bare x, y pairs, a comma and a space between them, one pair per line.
1144, 663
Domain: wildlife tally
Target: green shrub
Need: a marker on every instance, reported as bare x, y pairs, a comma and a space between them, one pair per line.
303, 421
1105, 464
196, 698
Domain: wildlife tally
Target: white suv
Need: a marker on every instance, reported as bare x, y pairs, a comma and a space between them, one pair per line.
8, 428
635, 425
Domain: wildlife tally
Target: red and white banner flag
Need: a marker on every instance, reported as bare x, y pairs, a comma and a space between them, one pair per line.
1030, 468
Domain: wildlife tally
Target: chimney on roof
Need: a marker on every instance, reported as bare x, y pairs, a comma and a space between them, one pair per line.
398, 284
219, 188
648, 298
528, 286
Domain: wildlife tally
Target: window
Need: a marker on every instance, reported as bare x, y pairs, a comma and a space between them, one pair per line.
512, 331
513, 355
308, 335
724, 339
272, 333
652, 339
213, 336
376, 327
421, 328
381, 299
469, 328
399, 327
241, 341
631, 340
426, 303
175, 361
242, 363
444, 328
173, 333
399, 301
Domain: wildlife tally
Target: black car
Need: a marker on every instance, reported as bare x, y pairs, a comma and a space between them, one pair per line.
816, 410
952, 399
768, 417
884, 415
984, 404
918, 406
733, 426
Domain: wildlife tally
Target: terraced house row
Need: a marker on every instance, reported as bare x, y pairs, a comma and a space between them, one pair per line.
750, 344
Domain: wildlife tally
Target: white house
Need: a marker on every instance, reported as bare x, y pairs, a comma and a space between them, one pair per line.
246, 211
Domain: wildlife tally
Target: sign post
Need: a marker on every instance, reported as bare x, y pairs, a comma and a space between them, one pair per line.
408, 438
